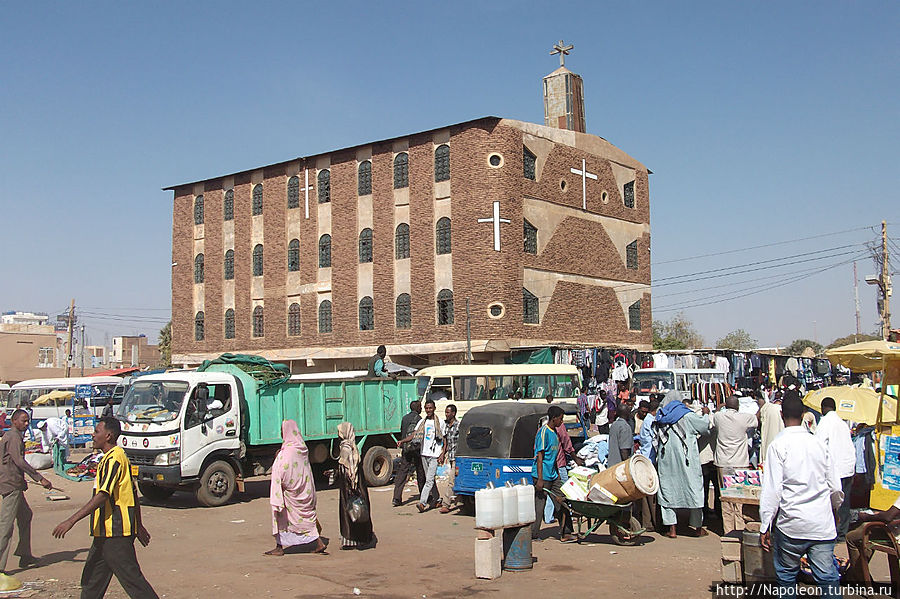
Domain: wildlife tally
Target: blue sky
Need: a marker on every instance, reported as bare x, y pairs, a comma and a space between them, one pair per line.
762, 123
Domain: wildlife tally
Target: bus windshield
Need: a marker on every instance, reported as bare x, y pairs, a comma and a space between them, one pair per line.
153, 401
653, 382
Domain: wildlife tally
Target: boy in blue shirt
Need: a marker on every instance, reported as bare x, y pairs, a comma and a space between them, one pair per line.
546, 475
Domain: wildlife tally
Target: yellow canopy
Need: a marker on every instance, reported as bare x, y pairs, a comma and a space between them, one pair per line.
858, 404
867, 356
53, 397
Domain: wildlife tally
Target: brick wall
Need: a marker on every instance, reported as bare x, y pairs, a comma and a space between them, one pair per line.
576, 313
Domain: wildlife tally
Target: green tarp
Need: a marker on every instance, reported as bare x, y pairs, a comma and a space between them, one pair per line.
537, 356
267, 374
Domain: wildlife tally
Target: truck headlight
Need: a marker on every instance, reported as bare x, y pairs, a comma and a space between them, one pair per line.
168, 458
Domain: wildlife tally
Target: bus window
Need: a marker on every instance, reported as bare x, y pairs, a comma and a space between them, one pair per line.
537, 387
422, 385
469, 388
502, 386
563, 386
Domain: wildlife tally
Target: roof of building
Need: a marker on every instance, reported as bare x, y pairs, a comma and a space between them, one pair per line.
586, 141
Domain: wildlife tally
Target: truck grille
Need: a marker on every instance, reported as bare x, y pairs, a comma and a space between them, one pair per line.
141, 459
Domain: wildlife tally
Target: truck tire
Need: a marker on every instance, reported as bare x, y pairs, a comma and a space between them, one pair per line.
377, 465
216, 484
155, 492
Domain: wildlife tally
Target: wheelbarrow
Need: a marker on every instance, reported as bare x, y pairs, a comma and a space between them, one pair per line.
623, 527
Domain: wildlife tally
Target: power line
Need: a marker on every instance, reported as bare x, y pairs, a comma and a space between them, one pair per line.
130, 308
743, 295
765, 245
769, 261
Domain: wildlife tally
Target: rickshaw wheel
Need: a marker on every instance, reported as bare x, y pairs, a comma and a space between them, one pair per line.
623, 540
467, 506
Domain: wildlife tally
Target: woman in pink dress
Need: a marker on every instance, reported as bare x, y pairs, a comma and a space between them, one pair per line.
292, 494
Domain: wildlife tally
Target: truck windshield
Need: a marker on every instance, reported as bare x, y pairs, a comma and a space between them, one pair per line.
652, 382
153, 401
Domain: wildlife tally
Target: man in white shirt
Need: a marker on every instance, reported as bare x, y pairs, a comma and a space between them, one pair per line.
732, 451
800, 489
54, 430
835, 434
432, 430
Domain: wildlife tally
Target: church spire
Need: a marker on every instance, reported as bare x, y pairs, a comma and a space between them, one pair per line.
564, 94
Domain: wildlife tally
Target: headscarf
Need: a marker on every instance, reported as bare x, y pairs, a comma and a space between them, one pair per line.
292, 492
349, 456
672, 410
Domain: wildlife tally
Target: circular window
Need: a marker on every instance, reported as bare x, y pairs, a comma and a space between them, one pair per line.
605, 197
496, 310
563, 185
495, 160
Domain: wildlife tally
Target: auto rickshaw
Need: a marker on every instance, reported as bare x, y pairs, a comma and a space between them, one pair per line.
496, 444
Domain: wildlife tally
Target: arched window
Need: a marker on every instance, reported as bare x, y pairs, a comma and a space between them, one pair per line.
445, 307
629, 194
401, 170
324, 185
228, 205
198, 268
257, 199
530, 238
258, 260
229, 265
366, 314
229, 323
634, 316
442, 163
198, 210
401, 241
365, 246
404, 311
364, 178
528, 163
258, 323
294, 319
530, 308
293, 191
199, 331
325, 251
294, 255
325, 316
442, 236
631, 255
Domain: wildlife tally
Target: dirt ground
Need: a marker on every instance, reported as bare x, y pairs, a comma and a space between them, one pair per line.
218, 552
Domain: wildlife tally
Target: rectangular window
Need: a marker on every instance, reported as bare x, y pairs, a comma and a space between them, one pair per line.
631, 255
528, 163
45, 357
469, 388
634, 316
530, 238
629, 195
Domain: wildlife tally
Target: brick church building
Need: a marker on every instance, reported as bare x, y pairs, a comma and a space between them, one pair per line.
526, 235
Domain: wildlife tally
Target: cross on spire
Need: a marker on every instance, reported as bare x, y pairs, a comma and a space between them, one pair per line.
563, 51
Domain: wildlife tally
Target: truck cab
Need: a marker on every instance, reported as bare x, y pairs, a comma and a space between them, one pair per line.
183, 429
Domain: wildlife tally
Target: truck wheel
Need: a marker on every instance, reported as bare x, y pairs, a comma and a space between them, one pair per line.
216, 484
377, 465
155, 492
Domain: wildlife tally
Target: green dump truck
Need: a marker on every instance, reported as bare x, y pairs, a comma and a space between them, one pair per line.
206, 430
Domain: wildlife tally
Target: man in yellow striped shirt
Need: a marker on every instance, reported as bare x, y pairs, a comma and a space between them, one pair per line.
115, 522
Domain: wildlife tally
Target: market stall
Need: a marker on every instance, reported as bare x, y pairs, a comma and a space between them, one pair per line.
875, 356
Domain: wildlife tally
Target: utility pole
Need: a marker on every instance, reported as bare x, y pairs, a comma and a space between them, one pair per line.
82, 350
885, 284
468, 334
856, 297
70, 354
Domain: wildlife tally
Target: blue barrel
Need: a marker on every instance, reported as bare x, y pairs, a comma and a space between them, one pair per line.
517, 548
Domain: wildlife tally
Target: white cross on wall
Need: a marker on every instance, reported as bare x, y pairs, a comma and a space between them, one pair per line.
496, 220
585, 175
306, 189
